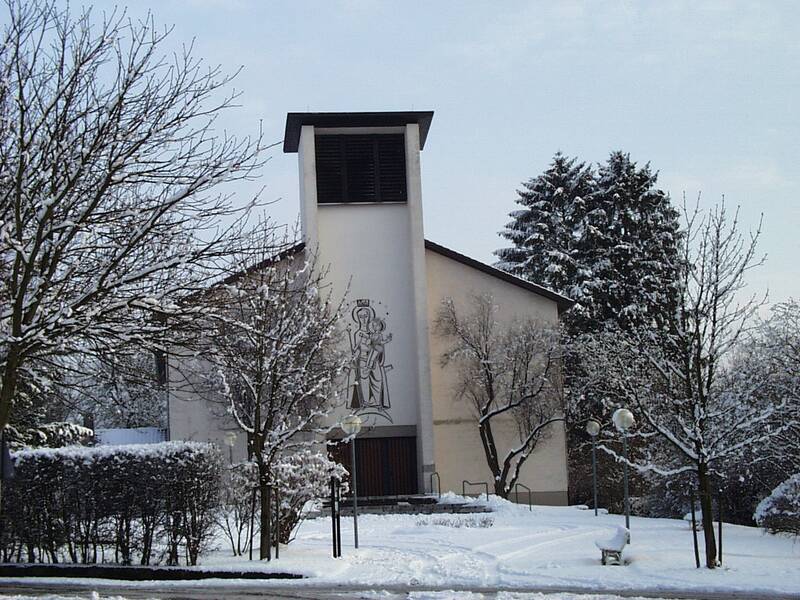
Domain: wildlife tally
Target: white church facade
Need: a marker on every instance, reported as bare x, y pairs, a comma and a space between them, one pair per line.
361, 213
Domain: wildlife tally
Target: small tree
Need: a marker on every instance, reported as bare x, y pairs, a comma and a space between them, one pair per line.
274, 346
507, 373
304, 476
696, 412
238, 505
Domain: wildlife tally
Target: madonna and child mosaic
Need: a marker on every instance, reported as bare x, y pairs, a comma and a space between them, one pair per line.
367, 385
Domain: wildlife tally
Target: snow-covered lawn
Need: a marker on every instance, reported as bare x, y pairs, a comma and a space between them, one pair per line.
440, 595
551, 547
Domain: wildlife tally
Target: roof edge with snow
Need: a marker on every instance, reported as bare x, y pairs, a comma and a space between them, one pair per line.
563, 302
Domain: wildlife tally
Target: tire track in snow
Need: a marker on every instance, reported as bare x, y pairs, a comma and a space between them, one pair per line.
558, 540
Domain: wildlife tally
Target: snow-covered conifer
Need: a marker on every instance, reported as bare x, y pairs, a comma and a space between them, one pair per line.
607, 240
629, 246
545, 229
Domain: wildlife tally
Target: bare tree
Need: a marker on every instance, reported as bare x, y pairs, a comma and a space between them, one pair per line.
780, 340
773, 355
123, 389
507, 373
109, 155
697, 410
274, 346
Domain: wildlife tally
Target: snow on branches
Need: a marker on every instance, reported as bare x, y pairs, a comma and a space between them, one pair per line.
274, 349
780, 511
699, 409
608, 239
108, 211
506, 371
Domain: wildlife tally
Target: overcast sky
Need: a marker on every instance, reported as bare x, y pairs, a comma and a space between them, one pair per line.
707, 92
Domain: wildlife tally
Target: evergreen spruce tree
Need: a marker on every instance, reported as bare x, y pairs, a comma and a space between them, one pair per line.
608, 241
630, 249
545, 231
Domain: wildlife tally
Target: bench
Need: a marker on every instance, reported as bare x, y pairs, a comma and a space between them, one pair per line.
698, 524
612, 548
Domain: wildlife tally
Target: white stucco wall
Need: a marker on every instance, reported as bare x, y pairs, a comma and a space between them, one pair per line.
368, 248
195, 414
375, 252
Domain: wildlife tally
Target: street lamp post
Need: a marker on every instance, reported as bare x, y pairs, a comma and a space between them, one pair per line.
351, 425
623, 420
593, 429
230, 442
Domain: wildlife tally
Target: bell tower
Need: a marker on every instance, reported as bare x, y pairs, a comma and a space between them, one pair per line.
361, 213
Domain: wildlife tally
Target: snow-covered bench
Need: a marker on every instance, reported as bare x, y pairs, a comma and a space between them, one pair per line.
612, 548
698, 520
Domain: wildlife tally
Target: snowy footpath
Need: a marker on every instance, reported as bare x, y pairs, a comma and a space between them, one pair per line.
548, 549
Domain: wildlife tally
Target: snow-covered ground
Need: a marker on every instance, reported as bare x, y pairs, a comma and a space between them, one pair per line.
551, 547
440, 595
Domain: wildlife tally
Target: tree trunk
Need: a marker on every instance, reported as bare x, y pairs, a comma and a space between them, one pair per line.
704, 483
490, 450
8, 383
266, 513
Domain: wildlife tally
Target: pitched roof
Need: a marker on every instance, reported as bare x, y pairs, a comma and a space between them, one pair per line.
562, 301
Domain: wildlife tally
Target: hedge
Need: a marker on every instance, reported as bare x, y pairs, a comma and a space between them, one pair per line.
145, 503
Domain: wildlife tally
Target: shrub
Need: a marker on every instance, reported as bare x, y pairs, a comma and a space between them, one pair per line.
238, 504
456, 522
780, 511
303, 476
111, 503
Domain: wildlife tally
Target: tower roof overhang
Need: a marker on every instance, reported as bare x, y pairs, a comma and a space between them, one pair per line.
294, 121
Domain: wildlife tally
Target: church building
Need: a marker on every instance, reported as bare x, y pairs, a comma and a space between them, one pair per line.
361, 212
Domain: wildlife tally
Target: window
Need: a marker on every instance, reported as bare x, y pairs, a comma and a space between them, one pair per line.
361, 168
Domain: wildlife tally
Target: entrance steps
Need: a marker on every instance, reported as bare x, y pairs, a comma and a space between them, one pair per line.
404, 505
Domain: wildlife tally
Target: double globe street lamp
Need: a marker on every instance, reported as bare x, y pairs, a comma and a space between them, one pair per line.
593, 429
351, 425
623, 421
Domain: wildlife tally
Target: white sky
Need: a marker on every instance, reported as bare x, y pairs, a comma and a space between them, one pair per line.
706, 91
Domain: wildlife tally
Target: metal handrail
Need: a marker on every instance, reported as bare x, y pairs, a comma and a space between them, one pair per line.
438, 483
522, 485
465, 483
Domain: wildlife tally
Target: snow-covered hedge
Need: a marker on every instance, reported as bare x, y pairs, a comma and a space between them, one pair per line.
780, 511
149, 503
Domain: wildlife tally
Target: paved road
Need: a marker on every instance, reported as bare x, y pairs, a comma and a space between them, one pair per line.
305, 592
